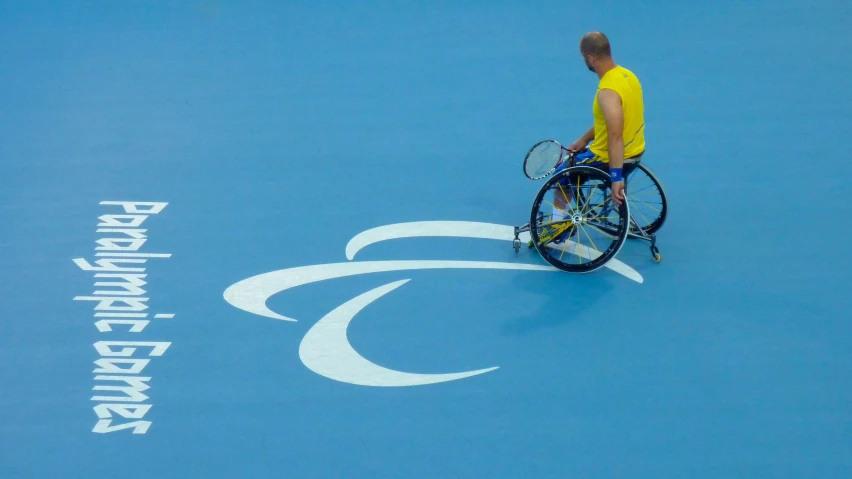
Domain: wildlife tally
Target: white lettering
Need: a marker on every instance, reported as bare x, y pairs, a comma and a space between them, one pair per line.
133, 233
119, 303
139, 427
107, 303
105, 325
109, 264
134, 255
133, 206
132, 284
104, 348
127, 411
110, 365
115, 244
115, 221
133, 390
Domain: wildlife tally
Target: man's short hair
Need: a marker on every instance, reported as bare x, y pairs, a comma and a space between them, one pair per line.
595, 44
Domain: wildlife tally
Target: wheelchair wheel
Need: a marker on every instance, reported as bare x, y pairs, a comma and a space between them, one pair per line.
647, 198
588, 229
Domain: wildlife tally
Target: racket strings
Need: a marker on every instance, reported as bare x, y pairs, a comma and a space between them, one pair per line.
542, 159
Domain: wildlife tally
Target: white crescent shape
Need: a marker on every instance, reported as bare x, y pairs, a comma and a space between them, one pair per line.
252, 293
470, 229
421, 229
326, 350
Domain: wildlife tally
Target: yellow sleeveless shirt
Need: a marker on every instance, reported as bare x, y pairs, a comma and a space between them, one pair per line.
625, 83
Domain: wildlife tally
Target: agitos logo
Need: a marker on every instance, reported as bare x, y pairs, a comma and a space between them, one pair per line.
325, 349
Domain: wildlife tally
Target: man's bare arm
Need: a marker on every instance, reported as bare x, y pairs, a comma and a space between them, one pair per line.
610, 103
588, 137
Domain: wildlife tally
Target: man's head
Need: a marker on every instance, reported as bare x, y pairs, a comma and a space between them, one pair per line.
594, 46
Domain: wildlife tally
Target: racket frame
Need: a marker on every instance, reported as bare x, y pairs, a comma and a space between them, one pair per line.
566, 155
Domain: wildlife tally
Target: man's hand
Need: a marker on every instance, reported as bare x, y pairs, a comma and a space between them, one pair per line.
618, 193
578, 145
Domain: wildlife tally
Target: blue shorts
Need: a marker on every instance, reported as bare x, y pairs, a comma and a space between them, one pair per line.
587, 158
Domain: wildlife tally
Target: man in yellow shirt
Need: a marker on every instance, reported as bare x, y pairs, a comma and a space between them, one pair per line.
618, 135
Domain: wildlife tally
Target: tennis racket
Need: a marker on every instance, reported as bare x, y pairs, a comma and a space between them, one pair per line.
543, 159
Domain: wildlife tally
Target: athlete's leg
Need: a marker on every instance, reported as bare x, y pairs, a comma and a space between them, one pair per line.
561, 201
562, 197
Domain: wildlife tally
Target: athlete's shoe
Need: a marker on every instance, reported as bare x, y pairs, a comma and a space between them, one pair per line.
556, 233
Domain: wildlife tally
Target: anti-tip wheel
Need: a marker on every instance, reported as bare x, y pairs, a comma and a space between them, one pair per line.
655, 252
516, 244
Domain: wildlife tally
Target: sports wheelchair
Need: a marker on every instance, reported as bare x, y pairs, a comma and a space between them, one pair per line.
574, 224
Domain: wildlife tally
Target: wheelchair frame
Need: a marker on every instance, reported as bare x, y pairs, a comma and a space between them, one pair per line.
634, 231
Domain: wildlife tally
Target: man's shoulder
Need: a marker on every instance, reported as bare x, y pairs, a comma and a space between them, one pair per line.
626, 73
617, 76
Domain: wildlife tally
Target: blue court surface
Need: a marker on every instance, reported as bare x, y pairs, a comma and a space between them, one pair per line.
273, 240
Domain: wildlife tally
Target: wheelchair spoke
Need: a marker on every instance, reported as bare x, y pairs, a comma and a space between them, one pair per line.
604, 230
552, 206
655, 195
647, 201
588, 200
595, 229
566, 198
563, 249
643, 217
643, 189
590, 238
646, 204
577, 245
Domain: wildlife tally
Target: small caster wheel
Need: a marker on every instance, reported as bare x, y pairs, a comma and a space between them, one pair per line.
516, 244
655, 252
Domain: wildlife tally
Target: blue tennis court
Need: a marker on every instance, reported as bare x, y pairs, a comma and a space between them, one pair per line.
273, 239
